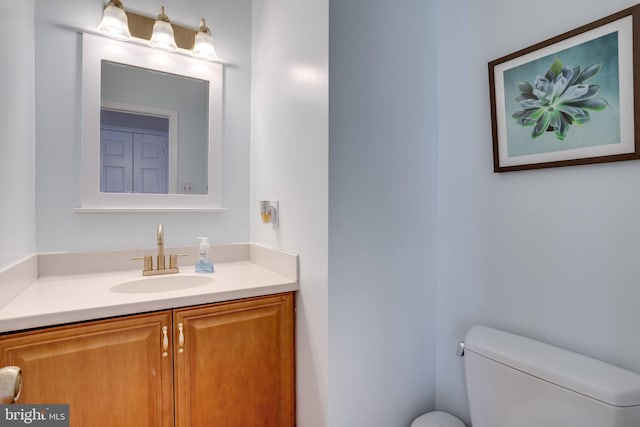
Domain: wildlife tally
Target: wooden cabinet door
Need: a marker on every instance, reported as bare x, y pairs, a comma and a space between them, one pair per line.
236, 367
111, 372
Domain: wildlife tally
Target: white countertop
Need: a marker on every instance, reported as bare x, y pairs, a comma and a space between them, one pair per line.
58, 299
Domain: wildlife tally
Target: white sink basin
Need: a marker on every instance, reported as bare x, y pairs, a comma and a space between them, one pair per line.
170, 282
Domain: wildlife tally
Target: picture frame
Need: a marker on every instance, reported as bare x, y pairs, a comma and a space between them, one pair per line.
569, 100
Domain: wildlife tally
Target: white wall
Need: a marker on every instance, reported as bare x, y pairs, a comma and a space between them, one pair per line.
551, 254
289, 152
382, 211
17, 138
57, 75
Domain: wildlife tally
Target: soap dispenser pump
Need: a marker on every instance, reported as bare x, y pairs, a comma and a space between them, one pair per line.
204, 265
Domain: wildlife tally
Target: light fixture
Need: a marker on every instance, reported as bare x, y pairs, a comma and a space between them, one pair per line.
114, 21
162, 36
203, 45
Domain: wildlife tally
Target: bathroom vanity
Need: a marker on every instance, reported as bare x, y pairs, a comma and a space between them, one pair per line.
218, 353
229, 363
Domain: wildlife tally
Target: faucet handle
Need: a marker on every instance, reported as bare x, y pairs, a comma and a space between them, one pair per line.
148, 262
173, 260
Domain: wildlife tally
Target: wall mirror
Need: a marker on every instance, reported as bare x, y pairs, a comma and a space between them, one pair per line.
151, 128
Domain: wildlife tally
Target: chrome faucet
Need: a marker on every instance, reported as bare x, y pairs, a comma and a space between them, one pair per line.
148, 269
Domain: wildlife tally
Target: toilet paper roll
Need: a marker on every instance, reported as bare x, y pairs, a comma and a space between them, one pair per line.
10, 384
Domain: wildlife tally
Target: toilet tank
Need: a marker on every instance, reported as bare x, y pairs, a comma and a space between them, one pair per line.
514, 381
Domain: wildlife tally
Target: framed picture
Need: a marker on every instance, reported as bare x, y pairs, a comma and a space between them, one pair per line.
569, 100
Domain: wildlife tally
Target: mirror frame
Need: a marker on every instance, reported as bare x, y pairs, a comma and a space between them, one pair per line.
95, 49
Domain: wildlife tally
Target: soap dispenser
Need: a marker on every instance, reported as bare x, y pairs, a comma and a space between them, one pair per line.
204, 265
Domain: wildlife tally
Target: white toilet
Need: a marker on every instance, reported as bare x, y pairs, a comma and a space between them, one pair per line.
514, 381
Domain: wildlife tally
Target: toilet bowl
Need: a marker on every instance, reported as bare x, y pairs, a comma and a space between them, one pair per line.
437, 419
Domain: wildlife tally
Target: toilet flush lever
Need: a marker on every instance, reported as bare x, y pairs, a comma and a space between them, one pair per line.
460, 351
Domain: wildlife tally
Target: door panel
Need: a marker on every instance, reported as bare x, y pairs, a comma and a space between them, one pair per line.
133, 162
237, 367
116, 161
150, 163
110, 372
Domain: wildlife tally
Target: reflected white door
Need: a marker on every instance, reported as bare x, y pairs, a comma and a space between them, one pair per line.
116, 174
133, 162
150, 163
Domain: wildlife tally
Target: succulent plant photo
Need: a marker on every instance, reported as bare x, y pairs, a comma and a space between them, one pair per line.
558, 99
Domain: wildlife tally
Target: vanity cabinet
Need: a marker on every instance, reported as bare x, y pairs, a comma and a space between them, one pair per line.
109, 372
236, 367
223, 364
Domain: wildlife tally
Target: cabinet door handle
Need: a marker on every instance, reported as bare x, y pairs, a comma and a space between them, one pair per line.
180, 338
165, 342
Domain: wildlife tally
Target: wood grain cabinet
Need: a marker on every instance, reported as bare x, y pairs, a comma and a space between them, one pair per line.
110, 372
225, 364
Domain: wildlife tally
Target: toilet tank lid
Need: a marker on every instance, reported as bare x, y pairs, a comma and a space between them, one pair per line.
598, 380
